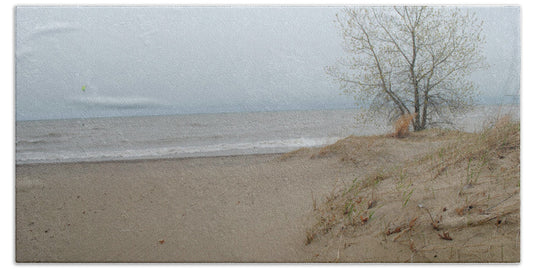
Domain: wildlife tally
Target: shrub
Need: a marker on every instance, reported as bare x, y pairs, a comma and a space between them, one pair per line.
401, 127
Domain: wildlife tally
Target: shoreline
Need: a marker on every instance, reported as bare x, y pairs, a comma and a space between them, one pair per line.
154, 159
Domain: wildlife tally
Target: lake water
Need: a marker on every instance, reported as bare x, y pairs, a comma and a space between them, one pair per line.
127, 138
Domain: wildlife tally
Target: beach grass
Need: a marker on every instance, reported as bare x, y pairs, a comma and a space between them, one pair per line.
453, 197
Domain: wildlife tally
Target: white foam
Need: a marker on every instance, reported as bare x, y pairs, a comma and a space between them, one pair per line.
267, 146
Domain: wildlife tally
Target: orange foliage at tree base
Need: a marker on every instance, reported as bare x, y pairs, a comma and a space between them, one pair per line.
401, 127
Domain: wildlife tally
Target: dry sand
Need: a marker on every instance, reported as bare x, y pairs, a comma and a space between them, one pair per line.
215, 209
303, 206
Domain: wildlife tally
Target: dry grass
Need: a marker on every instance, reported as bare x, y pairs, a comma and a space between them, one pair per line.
404, 208
482, 150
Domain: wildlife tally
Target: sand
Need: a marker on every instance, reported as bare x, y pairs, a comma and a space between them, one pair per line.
216, 209
443, 197
362, 199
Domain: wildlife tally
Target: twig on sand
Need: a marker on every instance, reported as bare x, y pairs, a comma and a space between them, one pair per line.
339, 249
500, 202
487, 219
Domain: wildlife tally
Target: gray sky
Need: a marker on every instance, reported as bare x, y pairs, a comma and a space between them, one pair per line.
143, 61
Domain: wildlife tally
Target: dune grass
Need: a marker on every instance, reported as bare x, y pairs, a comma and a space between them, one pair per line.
458, 202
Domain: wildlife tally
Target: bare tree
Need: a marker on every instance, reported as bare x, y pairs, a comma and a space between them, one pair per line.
410, 60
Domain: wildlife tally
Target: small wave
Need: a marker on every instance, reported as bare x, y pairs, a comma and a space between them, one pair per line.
49, 135
40, 139
22, 142
53, 135
259, 147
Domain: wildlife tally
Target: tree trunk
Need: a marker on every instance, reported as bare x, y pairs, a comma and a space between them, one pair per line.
416, 124
425, 109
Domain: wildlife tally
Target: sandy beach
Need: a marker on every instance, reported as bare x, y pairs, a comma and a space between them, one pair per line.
435, 196
266, 134
220, 209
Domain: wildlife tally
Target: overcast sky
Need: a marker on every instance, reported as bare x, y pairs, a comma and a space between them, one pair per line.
94, 62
